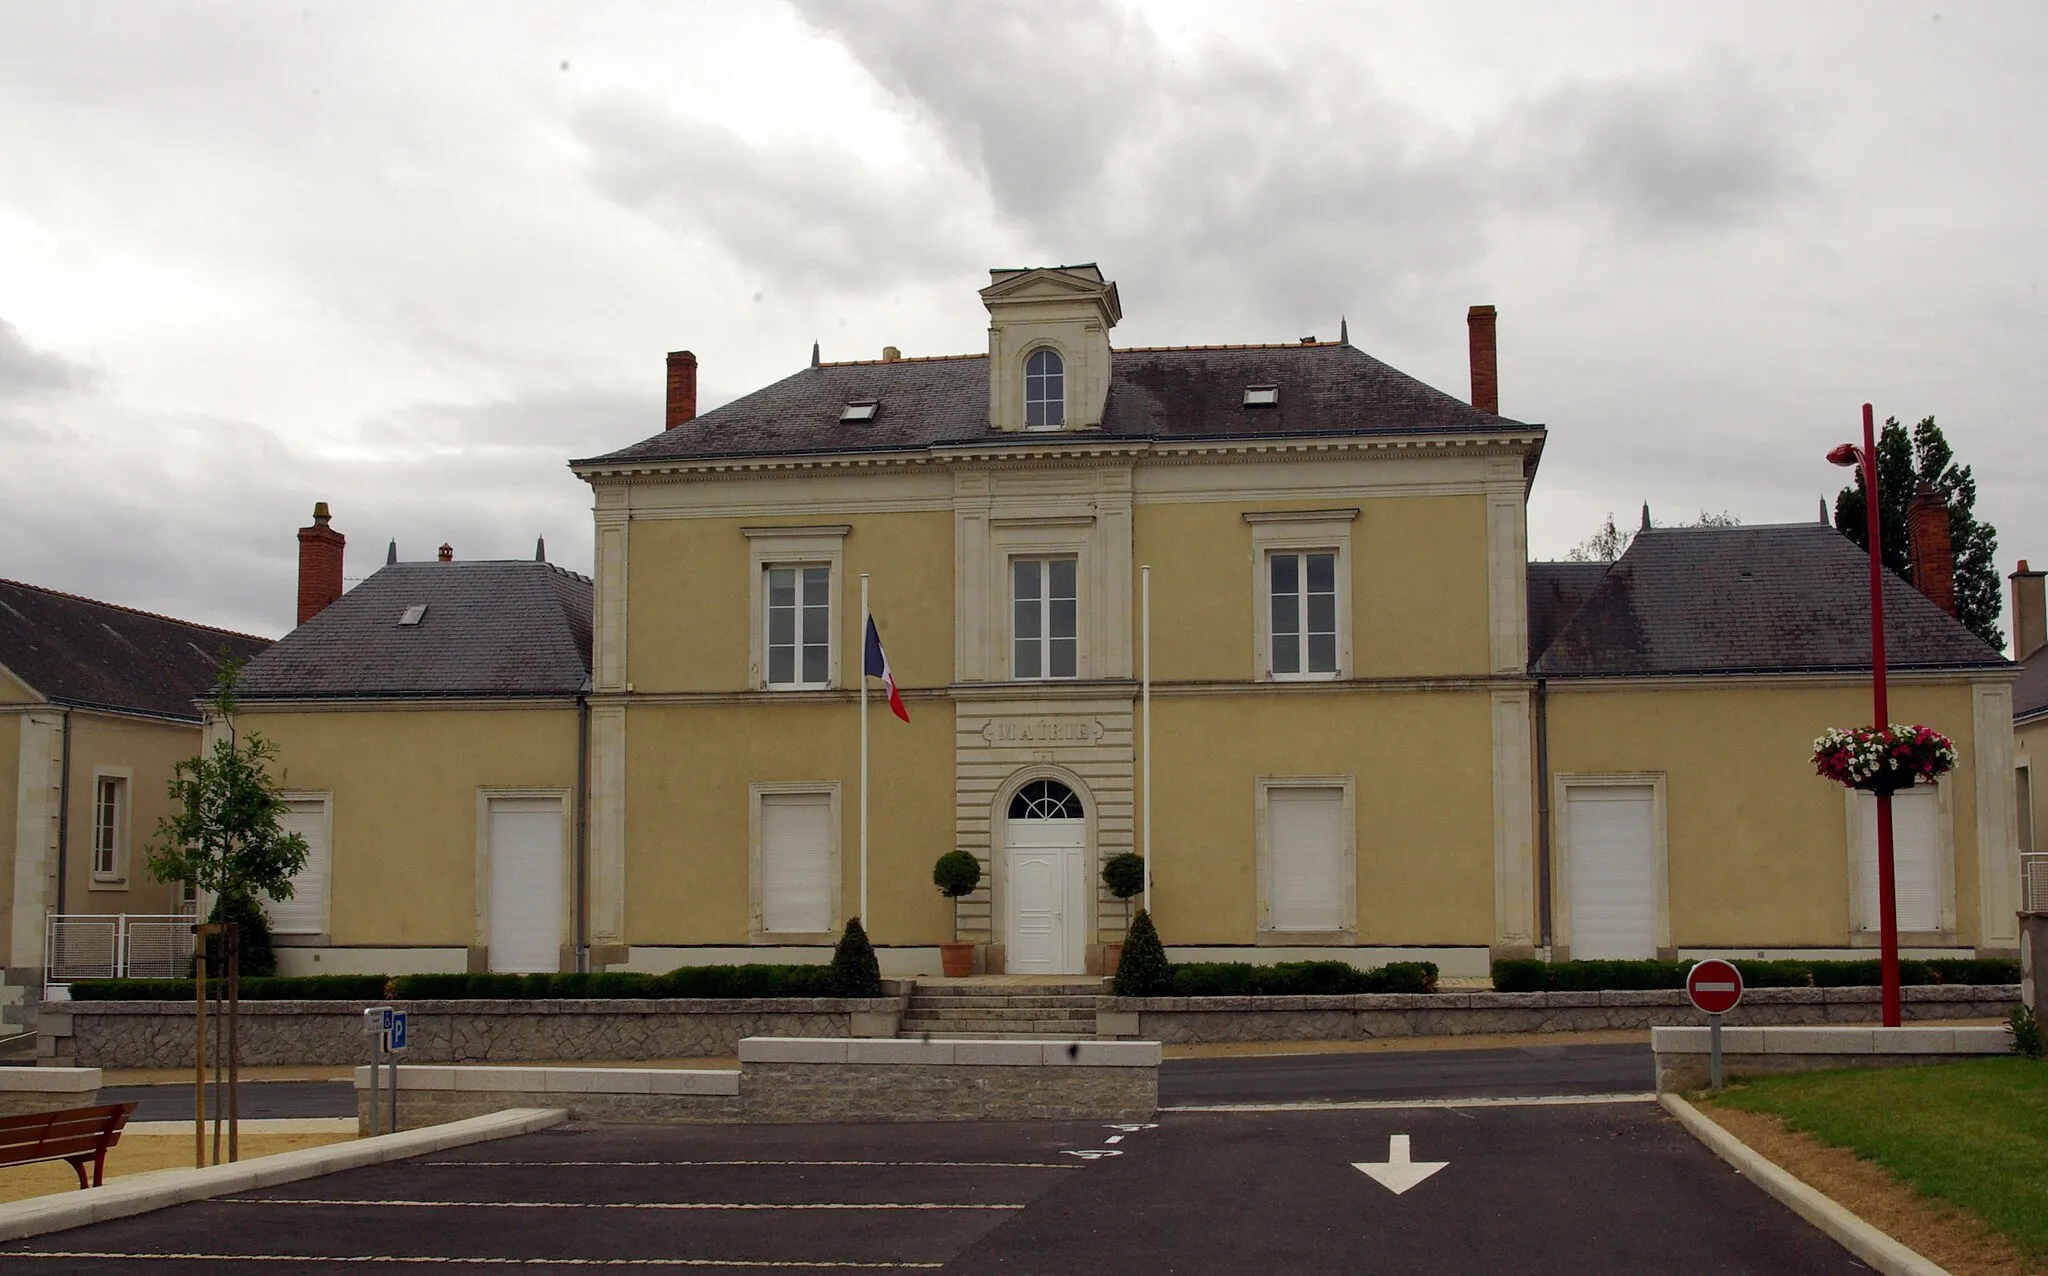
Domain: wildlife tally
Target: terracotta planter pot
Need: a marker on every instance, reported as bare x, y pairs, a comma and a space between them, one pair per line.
1112, 955
958, 960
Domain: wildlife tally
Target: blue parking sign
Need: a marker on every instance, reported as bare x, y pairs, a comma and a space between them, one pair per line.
397, 1030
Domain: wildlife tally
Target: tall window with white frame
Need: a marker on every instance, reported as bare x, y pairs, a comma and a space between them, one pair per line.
799, 630
1045, 391
110, 812
1044, 618
1302, 591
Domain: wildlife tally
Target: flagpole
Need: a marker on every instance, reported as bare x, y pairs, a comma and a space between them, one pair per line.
865, 621
1145, 638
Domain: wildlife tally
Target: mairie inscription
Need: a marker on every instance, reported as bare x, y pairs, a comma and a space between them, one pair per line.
1043, 731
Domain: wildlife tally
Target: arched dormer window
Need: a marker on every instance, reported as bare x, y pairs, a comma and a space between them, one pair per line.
1045, 391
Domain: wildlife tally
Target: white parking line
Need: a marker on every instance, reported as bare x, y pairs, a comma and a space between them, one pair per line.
945, 1165
611, 1205
815, 1265
1368, 1105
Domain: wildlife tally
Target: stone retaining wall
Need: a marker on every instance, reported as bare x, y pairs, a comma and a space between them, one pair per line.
783, 1080
1356, 1018
1683, 1061
158, 1034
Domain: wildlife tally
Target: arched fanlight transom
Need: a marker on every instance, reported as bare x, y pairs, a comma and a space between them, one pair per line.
1045, 800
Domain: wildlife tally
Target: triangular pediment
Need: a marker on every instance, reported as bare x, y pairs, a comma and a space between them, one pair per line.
1054, 284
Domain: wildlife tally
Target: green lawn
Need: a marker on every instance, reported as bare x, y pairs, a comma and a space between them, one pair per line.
1974, 1134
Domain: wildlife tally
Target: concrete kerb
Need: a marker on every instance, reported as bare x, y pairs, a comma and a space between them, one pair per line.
1873, 1247
142, 1193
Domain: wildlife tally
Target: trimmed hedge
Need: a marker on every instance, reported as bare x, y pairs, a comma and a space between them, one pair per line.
1616, 976
710, 982
1299, 978
268, 988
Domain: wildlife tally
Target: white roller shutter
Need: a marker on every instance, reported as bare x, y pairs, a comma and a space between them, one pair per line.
526, 885
1305, 829
1613, 872
796, 863
305, 913
1916, 867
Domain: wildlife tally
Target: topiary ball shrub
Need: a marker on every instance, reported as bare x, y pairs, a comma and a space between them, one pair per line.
957, 873
1124, 874
1143, 970
855, 972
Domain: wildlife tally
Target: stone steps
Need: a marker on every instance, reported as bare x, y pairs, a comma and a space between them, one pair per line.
995, 1036
1061, 1028
1020, 1012
919, 1000
915, 1011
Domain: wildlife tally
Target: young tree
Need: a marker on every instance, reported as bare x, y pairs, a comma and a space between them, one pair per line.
226, 837
1903, 462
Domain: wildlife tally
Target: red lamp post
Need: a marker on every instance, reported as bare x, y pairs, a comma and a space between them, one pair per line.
1887, 887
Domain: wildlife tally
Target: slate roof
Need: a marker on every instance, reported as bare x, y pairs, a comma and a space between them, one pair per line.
1556, 592
2030, 692
1766, 599
508, 628
79, 652
1170, 393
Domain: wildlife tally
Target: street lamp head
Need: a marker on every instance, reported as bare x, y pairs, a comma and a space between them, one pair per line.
1846, 454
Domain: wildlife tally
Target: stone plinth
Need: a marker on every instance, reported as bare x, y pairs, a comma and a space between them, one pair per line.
27, 1090
1683, 1061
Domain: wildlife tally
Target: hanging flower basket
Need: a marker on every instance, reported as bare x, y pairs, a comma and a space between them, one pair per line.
1883, 760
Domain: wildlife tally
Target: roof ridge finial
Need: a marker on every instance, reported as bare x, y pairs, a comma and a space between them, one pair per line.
391, 555
1343, 331
1646, 518
814, 354
540, 549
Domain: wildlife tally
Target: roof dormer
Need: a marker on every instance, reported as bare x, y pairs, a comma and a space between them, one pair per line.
1048, 347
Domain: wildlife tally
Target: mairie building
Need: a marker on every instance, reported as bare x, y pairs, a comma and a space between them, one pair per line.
1377, 730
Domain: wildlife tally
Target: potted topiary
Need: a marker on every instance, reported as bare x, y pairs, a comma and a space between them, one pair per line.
1124, 875
956, 874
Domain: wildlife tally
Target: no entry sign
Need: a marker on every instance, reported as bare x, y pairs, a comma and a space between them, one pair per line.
1715, 986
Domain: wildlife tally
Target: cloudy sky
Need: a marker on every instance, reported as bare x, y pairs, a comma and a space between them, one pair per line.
409, 258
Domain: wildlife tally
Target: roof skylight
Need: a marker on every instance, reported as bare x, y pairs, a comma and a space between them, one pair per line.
413, 614
860, 410
1262, 396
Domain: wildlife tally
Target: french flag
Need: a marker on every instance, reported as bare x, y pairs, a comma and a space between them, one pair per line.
876, 665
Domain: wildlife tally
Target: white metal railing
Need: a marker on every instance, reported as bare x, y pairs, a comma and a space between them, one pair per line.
116, 946
2034, 882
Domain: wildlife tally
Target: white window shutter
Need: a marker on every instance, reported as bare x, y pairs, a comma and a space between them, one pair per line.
305, 913
1916, 865
796, 863
1305, 837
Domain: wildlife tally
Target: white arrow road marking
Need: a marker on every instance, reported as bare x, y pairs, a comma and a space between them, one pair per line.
1114, 1138
1092, 1154
1397, 1173
1132, 1127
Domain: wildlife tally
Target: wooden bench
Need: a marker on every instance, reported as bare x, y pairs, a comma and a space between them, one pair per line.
77, 1135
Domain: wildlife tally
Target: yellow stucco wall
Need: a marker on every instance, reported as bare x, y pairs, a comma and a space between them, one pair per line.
1758, 844
404, 785
149, 751
1418, 586
687, 615
10, 785
2030, 744
1423, 768
688, 769
12, 690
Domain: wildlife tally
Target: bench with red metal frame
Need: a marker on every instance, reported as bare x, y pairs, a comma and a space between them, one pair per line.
77, 1135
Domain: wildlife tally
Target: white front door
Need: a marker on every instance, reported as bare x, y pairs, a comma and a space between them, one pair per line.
526, 885
1613, 868
1047, 881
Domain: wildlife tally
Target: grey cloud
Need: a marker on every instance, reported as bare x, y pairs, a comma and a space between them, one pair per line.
26, 371
806, 215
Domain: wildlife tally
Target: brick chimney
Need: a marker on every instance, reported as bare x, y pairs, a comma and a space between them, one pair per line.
1485, 365
682, 388
447, 554
2029, 612
320, 549
1927, 546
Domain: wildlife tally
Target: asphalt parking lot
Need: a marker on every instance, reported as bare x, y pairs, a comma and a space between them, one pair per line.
1611, 1187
